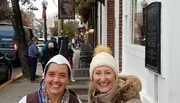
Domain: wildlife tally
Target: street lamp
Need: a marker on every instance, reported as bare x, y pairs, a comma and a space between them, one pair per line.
143, 5
44, 5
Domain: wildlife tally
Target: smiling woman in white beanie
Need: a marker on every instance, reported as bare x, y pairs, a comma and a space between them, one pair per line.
57, 75
106, 85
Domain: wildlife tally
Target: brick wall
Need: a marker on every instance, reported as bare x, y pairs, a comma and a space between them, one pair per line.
110, 27
110, 24
120, 34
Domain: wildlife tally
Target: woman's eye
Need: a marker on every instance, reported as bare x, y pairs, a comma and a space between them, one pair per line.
62, 76
97, 73
108, 72
51, 74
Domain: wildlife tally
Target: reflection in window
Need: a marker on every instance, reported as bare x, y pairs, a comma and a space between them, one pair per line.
137, 23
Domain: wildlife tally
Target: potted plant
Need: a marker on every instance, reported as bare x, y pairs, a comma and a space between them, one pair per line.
83, 8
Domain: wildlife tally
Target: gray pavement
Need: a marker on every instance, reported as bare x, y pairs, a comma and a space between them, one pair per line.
13, 92
16, 71
76, 56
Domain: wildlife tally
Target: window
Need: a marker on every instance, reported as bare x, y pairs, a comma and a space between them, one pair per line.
137, 23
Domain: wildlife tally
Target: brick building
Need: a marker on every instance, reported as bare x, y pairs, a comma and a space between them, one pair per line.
109, 27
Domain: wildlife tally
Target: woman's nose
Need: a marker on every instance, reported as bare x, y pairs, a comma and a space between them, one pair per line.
56, 78
103, 78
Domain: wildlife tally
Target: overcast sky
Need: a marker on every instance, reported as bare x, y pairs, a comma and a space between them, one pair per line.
52, 9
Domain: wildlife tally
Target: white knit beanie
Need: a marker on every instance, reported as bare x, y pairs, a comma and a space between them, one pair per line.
59, 59
103, 59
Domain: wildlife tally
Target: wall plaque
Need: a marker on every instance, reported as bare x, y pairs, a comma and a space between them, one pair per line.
153, 37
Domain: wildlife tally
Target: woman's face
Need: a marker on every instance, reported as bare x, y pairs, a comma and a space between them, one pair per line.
104, 78
56, 79
36, 41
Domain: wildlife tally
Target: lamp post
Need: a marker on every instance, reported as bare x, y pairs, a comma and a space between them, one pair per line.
144, 5
44, 4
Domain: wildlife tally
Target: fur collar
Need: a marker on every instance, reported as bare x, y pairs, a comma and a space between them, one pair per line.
128, 88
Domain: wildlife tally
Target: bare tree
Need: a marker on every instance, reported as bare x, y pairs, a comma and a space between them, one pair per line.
20, 34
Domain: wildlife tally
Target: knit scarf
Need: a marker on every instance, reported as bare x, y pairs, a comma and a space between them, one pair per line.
46, 99
107, 97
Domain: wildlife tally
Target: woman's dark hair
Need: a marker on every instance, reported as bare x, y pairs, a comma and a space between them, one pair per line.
47, 67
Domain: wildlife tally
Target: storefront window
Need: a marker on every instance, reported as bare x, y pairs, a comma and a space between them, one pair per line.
138, 37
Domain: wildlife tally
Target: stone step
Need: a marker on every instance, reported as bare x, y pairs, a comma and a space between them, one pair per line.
84, 65
84, 101
80, 81
83, 98
84, 72
79, 89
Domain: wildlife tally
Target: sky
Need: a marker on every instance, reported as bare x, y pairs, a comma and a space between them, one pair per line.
51, 10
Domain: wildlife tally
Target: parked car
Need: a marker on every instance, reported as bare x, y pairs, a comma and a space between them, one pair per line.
5, 68
40, 44
8, 44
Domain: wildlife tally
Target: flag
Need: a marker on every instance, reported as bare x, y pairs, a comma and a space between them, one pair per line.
44, 13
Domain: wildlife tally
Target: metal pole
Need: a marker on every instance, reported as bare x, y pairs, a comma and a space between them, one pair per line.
59, 29
45, 27
143, 29
62, 27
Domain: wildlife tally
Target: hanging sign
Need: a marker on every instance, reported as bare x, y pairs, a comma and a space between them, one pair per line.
66, 9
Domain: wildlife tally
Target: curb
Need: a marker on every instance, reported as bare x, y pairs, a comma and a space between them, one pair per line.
10, 81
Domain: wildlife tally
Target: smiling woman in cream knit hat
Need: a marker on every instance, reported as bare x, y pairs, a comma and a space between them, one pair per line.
103, 56
106, 85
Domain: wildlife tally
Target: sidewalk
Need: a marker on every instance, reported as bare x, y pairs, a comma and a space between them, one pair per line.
14, 91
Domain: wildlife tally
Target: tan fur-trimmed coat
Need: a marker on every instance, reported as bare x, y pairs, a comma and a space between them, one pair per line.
127, 92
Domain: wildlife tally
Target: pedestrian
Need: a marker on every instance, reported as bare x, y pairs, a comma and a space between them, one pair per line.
51, 50
71, 52
57, 75
106, 85
53, 40
44, 57
33, 55
73, 42
48, 51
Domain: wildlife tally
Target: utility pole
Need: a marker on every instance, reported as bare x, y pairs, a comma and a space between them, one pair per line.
59, 29
44, 4
62, 27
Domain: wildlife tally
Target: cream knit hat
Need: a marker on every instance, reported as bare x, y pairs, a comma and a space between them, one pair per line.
103, 59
